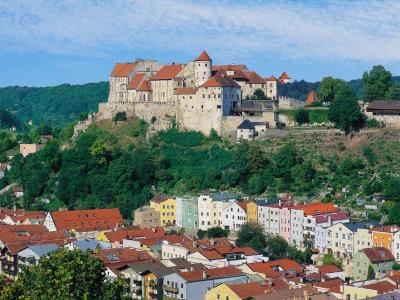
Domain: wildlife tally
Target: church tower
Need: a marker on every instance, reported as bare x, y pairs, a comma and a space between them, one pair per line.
202, 68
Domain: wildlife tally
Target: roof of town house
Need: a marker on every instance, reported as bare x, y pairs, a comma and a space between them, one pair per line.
388, 228
384, 105
222, 241
153, 266
161, 198
328, 269
333, 217
378, 254
145, 86
210, 254
131, 233
287, 265
231, 67
248, 289
254, 78
381, 287
185, 91
311, 209
354, 226
28, 215
332, 284
122, 69
223, 250
242, 205
295, 293
395, 276
87, 220
90, 244
182, 263
220, 80
246, 124
387, 296
270, 268
121, 256
21, 230
312, 97
167, 72
203, 57
210, 274
135, 81
42, 249
223, 196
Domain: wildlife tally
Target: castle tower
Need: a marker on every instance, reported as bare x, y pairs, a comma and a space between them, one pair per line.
202, 68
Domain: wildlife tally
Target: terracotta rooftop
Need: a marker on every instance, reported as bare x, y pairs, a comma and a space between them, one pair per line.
121, 256
254, 78
199, 275
135, 81
333, 285
203, 57
248, 289
161, 198
185, 91
233, 249
167, 72
271, 269
122, 69
219, 80
378, 254
318, 208
210, 254
333, 217
271, 78
231, 67
312, 97
243, 205
284, 76
388, 228
381, 287
144, 86
328, 269
132, 233
87, 220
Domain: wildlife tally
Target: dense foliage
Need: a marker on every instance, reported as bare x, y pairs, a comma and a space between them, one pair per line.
213, 232
278, 248
56, 106
64, 275
252, 235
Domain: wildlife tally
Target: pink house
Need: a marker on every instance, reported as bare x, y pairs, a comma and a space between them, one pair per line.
284, 230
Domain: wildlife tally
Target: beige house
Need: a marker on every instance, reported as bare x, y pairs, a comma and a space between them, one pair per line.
26, 149
146, 217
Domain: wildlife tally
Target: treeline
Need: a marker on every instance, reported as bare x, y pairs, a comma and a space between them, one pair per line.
56, 106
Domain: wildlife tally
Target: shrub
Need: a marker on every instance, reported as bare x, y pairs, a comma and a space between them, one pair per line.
302, 116
119, 117
373, 123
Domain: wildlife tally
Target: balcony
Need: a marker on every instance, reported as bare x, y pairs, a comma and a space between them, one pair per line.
170, 289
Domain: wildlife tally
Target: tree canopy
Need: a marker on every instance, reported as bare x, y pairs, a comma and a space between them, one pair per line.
376, 83
252, 235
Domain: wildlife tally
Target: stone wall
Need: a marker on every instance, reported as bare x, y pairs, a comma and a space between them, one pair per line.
286, 102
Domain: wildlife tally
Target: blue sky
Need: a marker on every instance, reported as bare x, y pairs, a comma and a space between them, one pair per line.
49, 42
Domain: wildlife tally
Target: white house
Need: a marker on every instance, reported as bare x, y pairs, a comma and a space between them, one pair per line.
234, 216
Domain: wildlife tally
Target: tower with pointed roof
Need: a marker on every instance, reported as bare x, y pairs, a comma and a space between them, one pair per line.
202, 68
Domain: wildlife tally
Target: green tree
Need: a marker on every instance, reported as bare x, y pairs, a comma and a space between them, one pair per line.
64, 275
344, 111
328, 260
252, 235
376, 83
217, 232
201, 234
277, 247
259, 94
393, 92
302, 116
371, 273
328, 88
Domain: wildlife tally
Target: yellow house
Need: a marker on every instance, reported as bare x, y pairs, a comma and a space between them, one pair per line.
150, 285
357, 293
252, 212
166, 206
235, 291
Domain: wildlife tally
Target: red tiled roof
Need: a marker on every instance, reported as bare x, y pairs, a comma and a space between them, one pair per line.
243, 205
134, 233
284, 76
333, 217
210, 273
203, 57
328, 269
332, 284
220, 80
135, 81
87, 220
185, 91
381, 287
388, 228
223, 241
122, 256
122, 69
210, 254
167, 72
248, 289
271, 78
395, 276
161, 198
223, 250
231, 67
318, 208
312, 97
254, 78
268, 268
378, 254
144, 86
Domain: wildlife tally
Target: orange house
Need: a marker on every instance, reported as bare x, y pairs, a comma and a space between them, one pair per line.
384, 236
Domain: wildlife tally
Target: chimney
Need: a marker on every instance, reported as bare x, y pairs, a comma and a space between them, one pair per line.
329, 220
204, 274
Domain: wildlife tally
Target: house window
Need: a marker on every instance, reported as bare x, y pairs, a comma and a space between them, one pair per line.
218, 106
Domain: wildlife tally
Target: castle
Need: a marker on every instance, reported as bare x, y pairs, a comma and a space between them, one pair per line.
196, 96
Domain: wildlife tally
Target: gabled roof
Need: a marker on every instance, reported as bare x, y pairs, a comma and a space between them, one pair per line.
206, 274
153, 266
168, 72
203, 57
332, 284
131, 233
121, 256
230, 67
318, 208
135, 81
87, 220
378, 254
242, 205
333, 217
223, 250
246, 124
43, 249
248, 289
284, 76
220, 80
312, 97
384, 105
354, 226
90, 244
290, 267
185, 91
254, 78
388, 228
161, 198
122, 69
271, 78
210, 254
381, 287
328, 269
144, 87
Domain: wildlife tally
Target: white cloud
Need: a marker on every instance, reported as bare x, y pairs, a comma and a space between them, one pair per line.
367, 31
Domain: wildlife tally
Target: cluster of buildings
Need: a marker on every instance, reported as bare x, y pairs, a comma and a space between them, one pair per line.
161, 264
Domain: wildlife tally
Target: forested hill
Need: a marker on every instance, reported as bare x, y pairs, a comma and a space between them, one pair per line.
55, 106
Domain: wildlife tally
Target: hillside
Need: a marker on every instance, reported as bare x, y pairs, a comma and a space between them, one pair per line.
55, 106
115, 165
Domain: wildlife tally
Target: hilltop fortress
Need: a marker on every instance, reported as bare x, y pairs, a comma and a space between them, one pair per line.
196, 96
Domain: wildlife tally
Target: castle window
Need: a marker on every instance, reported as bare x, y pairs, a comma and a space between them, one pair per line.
190, 97
219, 95
206, 65
202, 106
204, 95
218, 106
209, 96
